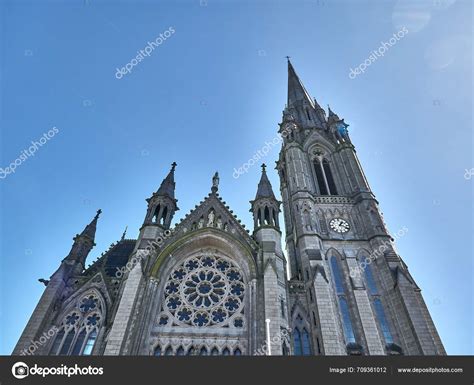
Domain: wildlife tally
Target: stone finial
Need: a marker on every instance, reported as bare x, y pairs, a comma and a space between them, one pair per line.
215, 182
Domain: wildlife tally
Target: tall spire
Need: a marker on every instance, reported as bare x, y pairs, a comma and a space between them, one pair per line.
264, 189
168, 185
296, 90
90, 229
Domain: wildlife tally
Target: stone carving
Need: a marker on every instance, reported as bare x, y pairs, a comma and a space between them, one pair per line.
210, 218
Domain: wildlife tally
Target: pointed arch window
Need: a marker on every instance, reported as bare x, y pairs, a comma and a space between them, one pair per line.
203, 351
267, 216
79, 327
90, 343
163, 217
383, 321
369, 277
297, 342
346, 320
157, 351
57, 342
156, 214
180, 351
336, 273
323, 189
214, 352
306, 346
378, 306
67, 342
169, 351
237, 352
79, 342
329, 177
343, 306
324, 177
226, 352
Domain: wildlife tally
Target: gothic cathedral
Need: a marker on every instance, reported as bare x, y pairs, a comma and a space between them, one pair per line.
208, 286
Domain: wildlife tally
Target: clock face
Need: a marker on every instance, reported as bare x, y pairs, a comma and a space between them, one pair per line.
339, 225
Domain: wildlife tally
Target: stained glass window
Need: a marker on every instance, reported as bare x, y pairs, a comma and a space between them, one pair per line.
346, 321
369, 277
88, 303
203, 291
383, 321
67, 342
378, 306
79, 341
90, 343
337, 276
297, 342
306, 344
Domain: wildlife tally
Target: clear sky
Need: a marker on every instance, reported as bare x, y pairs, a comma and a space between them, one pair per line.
208, 98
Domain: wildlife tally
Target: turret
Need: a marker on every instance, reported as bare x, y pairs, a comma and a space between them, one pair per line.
162, 204
265, 207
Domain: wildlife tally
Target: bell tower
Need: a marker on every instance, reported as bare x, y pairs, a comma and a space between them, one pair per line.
345, 291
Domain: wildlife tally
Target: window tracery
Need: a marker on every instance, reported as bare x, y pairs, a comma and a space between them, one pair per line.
79, 328
206, 290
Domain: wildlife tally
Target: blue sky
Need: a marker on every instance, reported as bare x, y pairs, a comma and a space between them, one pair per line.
208, 98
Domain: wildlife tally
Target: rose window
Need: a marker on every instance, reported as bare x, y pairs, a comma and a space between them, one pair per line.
205, 290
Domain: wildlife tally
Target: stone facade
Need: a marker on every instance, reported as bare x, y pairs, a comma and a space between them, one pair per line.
207, 286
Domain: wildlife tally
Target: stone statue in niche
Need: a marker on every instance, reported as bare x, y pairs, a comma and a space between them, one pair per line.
201, 223
219, 223
210, 218
226, 227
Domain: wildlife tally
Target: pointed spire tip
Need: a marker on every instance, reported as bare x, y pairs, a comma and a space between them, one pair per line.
124, 233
